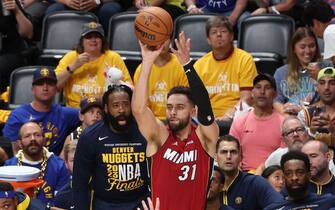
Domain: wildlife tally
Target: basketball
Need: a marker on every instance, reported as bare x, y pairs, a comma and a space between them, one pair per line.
153, 26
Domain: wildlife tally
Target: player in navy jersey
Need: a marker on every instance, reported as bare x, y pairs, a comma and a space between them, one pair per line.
110, 158
180, 156
296, 168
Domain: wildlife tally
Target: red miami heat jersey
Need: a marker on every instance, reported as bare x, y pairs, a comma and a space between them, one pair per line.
180, 173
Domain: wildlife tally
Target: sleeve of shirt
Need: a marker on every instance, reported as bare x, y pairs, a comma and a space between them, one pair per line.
137, 73
247, 72
66, 61
279, 76
84, 162
72, 117
329, 40
63, 176
235, 129
12, 127
266, 195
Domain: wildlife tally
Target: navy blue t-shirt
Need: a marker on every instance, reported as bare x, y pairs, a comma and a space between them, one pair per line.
310, 202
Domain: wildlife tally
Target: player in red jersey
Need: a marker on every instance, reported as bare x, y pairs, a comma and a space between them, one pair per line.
181, 156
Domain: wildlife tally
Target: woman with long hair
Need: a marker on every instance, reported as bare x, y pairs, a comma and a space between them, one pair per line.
294, 85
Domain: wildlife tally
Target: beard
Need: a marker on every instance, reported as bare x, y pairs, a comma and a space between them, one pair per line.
297, 193
114, 121
179, 126
32, 149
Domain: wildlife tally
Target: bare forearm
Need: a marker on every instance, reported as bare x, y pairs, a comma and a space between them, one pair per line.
158, 2
239, 8
285, 5
24, 25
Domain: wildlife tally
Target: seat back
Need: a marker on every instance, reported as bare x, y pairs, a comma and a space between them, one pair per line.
20, 86
267, 62
194, 27
61, 32
266, 33
121, 35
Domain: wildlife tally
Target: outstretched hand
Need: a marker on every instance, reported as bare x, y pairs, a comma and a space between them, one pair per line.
151, 206
183, 48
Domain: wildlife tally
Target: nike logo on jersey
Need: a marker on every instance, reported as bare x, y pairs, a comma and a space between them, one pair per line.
71, 207
102, 138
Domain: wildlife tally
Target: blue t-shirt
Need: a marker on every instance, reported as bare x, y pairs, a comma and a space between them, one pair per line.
56, 176
311, 202
305, 87
217, 6
250, 192
56, 124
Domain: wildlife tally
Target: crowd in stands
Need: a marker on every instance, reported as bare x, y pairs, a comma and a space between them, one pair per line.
212, 134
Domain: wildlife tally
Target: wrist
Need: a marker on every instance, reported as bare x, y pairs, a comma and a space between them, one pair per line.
189, 8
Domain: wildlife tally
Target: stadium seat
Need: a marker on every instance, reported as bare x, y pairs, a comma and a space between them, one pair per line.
60, 34
267, 62
266, 33
20, 87
122, 39
194, 27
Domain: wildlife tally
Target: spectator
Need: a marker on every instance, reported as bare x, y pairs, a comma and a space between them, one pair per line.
103, 9
275, 177
165, 74
258, 131
296, 168
293, 8
173, 7
56, 121
110, 158
294, 84
227, 72
322, 180
34, 154
90, 113
81, 72
15, 27
234, 10
294, 136
241, 190
174, 177
318, 15
319, 117
14, 200
215, 189
64, 198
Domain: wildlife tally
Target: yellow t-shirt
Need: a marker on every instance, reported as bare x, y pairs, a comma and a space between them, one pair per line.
223, 79
174, 2
89, 79
161, 80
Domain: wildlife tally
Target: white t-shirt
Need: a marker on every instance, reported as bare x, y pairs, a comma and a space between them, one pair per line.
329, 40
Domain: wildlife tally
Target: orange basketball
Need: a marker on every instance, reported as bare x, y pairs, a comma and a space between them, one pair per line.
153, 26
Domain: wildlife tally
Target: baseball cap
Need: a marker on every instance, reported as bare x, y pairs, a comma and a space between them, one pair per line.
43, 73
89, 102
92, 27
326, 72
266, 77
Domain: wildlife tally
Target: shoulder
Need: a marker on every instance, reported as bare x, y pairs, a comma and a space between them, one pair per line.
205, 58
330, 29
112, 54
67, 110
25, 108
281, 71
71, 54
94, 129
239, 52
10, 162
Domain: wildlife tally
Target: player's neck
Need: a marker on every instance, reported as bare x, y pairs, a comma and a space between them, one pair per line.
230, 176
40, 106
184, 133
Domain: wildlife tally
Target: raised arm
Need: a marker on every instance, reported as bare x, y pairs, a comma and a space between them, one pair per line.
151, 128
207, 130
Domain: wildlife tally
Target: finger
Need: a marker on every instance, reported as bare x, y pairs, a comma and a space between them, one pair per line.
145, 207
151, 206
177, 45
157, 203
